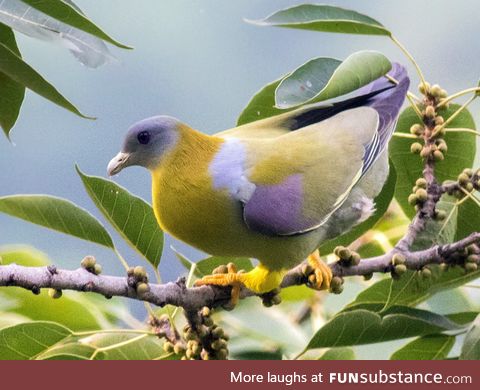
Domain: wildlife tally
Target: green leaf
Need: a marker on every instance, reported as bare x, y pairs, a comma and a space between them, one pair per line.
257, 355
382, 201
130, 215
57, 214
71, 15
411, 289
324, 18
262, 105
296, 293
431, 347
463, 317
361, 326
12, 93
471, 344
468, 218
73, 311
23, 255
69, 351
127, 346
25, 341
14, 67
10, 319
338, 354
325, 78
460, 155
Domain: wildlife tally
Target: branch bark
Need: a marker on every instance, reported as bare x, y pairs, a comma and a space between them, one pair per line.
194, 298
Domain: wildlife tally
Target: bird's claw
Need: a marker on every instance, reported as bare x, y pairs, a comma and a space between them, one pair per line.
318, 274
225, 276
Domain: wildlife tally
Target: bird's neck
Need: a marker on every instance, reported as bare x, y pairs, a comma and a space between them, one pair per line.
189, 157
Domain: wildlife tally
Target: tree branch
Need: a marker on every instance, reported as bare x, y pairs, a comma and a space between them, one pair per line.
193, 299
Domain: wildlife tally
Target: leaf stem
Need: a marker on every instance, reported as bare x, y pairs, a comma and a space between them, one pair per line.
117, 345
92, 332
405, 135
410, 57
415, 108
454, 115
458, 94
122, 259
462, 130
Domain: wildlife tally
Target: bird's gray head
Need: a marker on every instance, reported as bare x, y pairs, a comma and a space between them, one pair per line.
146, 143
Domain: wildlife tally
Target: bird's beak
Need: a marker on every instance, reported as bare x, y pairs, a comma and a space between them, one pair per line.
117, 163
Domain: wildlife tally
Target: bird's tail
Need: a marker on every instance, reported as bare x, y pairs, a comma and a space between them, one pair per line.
388, 102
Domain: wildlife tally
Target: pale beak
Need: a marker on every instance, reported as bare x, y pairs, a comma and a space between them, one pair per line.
117, 163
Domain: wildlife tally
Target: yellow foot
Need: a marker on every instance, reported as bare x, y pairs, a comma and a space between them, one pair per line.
230, 278
260, 280
318, 273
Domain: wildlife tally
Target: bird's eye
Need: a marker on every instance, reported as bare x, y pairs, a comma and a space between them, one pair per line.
143, 137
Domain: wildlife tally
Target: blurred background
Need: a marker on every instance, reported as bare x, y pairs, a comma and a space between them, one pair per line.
199, 61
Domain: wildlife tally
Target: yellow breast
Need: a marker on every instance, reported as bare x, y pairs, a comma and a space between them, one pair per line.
184, 201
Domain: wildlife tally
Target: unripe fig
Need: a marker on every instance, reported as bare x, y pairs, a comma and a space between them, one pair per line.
218, 332
442, 147
54, 293
344, 254
473, 259
168, 347
355, 259
416, 129
336, 281
208, 321
438, 155
424, 88
97, 269
421, 183
398, 259
88, 262
416, 147
400, 269
222, 354
471, 267
430, 112
179, 348
426, 273
142, 288
337, 290
463, 179
206, 311
139, 272
412, 199
421, 195
425, 152
276, 299
218, 344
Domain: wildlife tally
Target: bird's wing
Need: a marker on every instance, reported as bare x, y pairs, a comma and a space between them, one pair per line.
293, 183
292, 171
